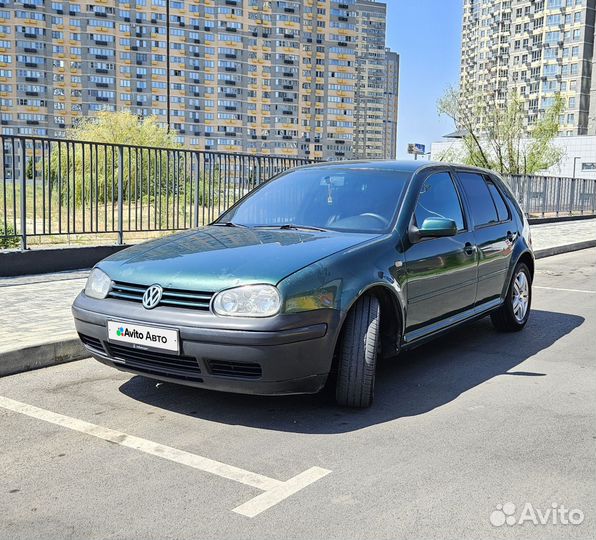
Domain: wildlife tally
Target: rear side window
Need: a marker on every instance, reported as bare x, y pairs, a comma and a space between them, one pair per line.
481, 202
502, 210
438, 198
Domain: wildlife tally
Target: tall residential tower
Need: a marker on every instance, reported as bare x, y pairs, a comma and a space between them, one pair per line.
290, 77
536, 48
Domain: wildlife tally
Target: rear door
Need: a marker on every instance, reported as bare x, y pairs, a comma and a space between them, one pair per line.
441, 271
494, 232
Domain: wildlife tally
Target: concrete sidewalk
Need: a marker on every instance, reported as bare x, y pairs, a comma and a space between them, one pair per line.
36, 326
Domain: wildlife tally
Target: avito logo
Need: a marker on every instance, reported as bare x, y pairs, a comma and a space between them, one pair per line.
557, 514
135, 334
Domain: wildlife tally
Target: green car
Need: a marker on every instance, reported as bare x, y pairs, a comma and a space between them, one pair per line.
318, 271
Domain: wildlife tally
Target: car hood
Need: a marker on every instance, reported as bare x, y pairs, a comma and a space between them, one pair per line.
217, 257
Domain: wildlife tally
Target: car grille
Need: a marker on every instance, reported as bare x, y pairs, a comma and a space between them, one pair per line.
153, 363
243, 370
170, 297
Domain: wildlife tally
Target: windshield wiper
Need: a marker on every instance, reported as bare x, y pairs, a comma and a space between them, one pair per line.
295, 227
231, 224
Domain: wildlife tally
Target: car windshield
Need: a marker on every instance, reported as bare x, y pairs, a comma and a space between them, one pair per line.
332, 198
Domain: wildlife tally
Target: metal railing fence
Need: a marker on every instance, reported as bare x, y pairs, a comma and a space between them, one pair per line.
554, 196
53, 187
57, 187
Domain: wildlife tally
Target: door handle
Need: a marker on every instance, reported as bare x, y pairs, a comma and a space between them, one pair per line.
469, 248
511, 236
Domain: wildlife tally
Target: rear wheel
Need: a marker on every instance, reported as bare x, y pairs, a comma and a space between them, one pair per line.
358, 354
515, 311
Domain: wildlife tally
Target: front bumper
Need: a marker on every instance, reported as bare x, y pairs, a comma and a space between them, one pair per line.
285, 354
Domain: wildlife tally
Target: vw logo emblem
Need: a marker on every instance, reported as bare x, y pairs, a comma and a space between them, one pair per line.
152, 296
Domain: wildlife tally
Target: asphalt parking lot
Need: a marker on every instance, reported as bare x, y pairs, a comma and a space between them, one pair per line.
459, 428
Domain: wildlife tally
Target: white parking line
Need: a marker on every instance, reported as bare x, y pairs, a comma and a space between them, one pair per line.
563, 290
275, 491
271, 497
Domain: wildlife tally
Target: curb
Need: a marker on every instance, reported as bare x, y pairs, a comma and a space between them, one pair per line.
567, 248
40, 356
559, 219
60, 352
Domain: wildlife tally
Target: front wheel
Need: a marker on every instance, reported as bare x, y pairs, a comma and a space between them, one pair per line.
513, 314
358, 354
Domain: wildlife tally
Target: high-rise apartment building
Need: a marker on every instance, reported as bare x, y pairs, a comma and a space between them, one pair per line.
536, 48
370, 79
391, 104
260, 76
592, 110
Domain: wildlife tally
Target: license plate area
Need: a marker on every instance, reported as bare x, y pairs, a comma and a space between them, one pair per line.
144, 337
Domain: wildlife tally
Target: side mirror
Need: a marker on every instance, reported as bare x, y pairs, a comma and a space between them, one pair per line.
437, 227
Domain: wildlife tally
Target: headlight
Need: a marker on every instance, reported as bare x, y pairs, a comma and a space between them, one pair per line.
248, 301
98, 284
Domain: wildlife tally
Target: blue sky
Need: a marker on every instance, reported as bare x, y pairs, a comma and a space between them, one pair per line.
427, 36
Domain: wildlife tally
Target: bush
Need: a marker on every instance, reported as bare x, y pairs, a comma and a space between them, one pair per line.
7, 240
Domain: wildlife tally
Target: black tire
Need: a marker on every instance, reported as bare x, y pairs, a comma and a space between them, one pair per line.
504, 318
358, 354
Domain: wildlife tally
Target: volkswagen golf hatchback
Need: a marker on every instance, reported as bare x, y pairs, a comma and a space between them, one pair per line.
320, 270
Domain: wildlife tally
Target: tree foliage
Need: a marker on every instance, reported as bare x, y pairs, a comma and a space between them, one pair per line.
123, 127
92, 171
495, 135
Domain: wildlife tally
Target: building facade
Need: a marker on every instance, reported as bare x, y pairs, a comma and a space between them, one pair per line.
258, 76
391, 104
537, 49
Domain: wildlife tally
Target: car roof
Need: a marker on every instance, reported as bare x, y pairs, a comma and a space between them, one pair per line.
409, 166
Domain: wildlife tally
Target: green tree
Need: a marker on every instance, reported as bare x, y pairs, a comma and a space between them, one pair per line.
93, 171
29, 169
123, 127
158, 176
496, 135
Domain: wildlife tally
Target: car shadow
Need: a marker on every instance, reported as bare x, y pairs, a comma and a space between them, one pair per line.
416, 382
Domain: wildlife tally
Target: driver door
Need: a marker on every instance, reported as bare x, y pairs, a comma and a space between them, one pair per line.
441, 272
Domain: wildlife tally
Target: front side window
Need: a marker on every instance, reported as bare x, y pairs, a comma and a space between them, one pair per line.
334, 198
482, 207
438, 198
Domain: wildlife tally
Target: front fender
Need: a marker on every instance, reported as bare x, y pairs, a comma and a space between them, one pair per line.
339, 280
